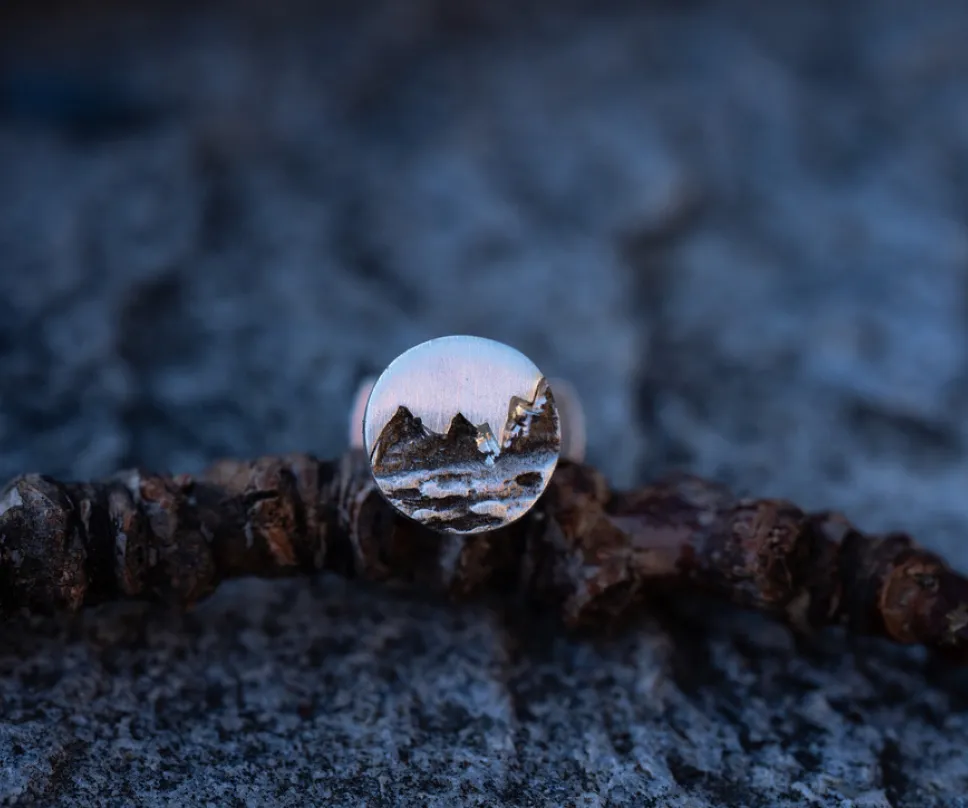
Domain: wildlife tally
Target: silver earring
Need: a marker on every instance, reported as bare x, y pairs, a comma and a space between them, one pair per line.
463, 433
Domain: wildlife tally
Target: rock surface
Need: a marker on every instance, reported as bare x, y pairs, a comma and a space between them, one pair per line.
738, 228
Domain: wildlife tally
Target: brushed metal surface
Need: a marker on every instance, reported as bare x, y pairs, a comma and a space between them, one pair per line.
462, 433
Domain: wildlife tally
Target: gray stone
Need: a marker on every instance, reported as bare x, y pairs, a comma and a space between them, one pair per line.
738, 228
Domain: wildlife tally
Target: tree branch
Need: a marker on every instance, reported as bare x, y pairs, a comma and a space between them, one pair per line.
584, 550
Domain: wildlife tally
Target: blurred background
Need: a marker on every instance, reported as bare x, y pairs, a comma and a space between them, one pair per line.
739, 228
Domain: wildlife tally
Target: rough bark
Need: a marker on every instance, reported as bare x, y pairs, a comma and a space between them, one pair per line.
584, 550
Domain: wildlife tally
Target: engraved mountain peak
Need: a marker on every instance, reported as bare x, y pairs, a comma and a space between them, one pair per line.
405, 444
465, 479
532, 425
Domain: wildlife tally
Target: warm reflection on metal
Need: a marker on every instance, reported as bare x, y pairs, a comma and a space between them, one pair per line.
358, 411
572, 417
462, 433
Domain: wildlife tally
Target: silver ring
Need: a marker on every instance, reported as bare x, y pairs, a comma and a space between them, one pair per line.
463, 433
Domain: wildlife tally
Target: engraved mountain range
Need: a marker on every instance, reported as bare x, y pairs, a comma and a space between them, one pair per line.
465, 480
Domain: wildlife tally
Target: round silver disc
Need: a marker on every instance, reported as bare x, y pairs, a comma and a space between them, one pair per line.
462, 434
